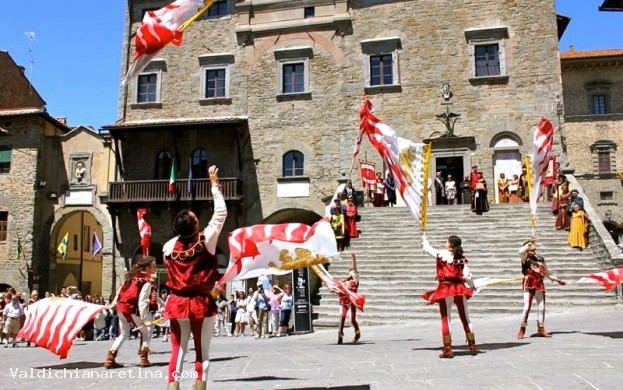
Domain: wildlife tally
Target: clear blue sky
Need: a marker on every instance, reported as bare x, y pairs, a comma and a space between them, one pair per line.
77, 52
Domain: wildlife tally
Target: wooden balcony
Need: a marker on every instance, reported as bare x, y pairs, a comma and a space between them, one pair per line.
152, 191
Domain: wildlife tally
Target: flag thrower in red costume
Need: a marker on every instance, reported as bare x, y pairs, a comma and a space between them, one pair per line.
455, 286
161, 27
132, 301
407, 161
144, 230
192, 267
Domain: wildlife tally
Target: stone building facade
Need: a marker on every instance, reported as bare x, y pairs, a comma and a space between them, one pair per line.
593, 130
52, 179
272, 90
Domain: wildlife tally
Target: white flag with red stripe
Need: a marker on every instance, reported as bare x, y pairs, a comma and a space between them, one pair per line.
404, 158
338, 288
278, 249
52, 323
158, 29
542, 144
609, 279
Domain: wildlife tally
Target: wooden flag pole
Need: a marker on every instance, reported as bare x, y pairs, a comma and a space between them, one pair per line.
427, 152
196, 16
529, 180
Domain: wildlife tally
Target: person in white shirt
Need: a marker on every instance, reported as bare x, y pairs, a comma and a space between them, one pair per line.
11, 314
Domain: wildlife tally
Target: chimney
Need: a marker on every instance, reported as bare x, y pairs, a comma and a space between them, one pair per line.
22, 69
62, 120
571, 49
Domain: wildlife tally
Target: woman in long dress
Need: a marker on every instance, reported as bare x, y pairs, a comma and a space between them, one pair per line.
579, 228
480, 204
562, 219
513, 188
503, 192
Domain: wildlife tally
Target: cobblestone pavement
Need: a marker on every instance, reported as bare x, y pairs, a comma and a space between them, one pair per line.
586, 352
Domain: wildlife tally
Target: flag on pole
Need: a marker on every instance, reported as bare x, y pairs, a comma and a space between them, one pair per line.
609, 279
337, 287
190, 187
62, 247
161, 27
406, 160
172, 179
97, 245
52, 323
144, 230
278, 249
542, 143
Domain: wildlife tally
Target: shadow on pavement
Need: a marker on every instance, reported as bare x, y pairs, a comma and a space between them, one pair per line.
226, 358
257, 379
612, 335
347, 387
482, 348
73, 365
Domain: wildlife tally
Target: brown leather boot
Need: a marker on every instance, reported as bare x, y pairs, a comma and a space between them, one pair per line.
357, 336
541, 330
173, 386
340, 337
110, 360
144, 362
471, 343
522, 330
447, 352
199, 385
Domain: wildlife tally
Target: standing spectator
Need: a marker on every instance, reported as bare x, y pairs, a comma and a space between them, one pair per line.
275, 310
523, 192
535, 271
251, 311
233, 311
480, 204
339, 228
241, 314
34, 297
390, 191
454, 278
221, 316
562, 219
439, 189
99, 325
555, 191
350, 219
574, 199
11, 314
513, 188
379, 192
287, 302
466, 191
473, 177
503, 191
349, 190
263, 308
579, 228
450, 187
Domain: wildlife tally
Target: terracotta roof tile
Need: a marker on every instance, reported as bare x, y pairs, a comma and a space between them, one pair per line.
572, 54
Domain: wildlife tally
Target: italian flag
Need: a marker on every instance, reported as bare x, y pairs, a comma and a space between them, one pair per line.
172, 179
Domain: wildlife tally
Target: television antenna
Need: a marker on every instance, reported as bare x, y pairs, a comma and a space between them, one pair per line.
31, 37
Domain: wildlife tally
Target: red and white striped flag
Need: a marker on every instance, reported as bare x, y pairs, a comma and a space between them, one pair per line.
609, 279
257, 250
52, 323
158, 29
337, 287
144, 230
405, 159
542, 144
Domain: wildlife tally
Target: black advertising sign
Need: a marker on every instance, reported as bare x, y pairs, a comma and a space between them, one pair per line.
302, 307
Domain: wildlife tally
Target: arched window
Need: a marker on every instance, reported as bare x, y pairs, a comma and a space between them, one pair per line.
293, 163
163, 165
200, 163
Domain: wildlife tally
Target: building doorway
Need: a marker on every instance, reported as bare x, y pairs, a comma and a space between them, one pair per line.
453, 166
507, 162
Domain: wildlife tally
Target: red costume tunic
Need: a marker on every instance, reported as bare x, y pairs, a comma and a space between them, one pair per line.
127, 301
192, 274
534, 272
451, 275
352, 285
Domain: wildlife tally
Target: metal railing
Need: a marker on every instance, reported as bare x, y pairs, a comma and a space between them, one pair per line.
158, 190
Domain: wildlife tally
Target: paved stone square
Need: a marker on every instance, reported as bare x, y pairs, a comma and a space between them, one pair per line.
586, 352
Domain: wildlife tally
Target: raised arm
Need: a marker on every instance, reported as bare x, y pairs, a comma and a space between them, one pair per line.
428, 248
215, 226
523, 251
354, 261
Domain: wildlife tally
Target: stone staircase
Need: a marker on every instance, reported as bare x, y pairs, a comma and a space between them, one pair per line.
394, 272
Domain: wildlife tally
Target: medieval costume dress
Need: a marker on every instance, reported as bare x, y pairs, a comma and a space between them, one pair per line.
454, 285
350, 219
351, 283
578, 230
503, 191
562, 219
192, 269
339, 228
534, 270
480, 203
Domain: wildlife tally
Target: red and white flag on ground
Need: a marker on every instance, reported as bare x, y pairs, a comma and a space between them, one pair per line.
158, 29
278, 249
542, 143
52, 323
405, 159
609, 279
144, 230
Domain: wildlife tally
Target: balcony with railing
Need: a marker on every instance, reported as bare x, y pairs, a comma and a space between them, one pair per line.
152, 191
